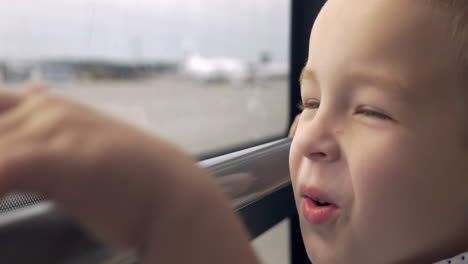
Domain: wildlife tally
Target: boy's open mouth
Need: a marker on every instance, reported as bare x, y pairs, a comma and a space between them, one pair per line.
321, 203
317, 211
317, 206
317, 197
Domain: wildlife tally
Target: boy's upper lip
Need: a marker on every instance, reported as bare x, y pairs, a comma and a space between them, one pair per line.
315, 193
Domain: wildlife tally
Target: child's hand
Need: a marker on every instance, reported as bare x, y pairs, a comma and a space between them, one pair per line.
127, 187
82, 159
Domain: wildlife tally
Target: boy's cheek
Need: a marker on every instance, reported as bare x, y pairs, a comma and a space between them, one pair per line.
383, 174
294, 162
391, 183
381, 169
383, 191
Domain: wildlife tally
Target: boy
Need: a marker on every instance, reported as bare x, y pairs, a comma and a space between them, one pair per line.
382, 136
378, 163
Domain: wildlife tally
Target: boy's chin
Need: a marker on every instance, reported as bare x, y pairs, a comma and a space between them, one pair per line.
318, 251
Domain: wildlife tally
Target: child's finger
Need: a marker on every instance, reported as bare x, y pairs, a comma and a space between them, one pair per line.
9, 100
11, 119
34, 88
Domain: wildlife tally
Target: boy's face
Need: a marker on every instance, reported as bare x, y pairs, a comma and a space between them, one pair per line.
381, 136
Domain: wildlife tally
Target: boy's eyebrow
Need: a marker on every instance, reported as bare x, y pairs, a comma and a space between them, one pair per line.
379, 80
368, 76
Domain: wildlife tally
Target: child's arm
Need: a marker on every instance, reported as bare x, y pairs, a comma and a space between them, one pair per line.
129, 188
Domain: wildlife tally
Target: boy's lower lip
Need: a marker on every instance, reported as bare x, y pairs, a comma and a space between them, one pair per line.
315, 214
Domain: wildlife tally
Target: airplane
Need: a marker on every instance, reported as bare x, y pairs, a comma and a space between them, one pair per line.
214, 69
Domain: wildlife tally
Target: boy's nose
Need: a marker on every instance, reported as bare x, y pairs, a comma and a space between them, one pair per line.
317, 139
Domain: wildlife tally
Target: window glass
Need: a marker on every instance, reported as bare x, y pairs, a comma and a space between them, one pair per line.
206, 74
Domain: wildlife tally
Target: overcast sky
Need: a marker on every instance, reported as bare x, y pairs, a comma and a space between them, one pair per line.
143, 29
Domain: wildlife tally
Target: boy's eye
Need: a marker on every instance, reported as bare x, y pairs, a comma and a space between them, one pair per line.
309, 104
373, 114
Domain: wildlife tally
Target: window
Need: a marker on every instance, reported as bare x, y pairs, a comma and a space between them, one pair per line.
206, 74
